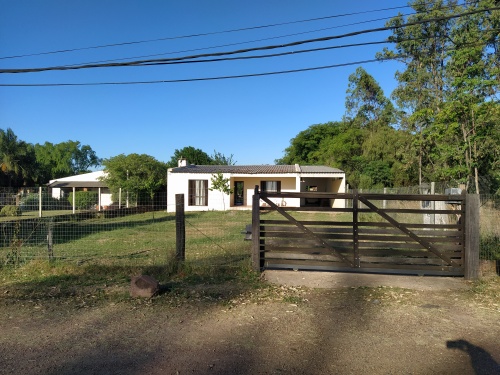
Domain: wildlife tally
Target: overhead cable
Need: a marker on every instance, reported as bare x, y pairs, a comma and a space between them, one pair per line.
201, 34
215, 54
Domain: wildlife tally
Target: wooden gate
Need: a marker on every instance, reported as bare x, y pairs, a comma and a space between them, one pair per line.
374, 233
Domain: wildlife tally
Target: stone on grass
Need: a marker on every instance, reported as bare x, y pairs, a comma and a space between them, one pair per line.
144, 286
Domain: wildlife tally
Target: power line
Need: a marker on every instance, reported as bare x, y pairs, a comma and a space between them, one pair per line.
216, 54
270, 38
263, 39
202, 34
213, 78
234, 44
194, 79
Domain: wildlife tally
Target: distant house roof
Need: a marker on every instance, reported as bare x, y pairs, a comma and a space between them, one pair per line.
255, 169
86, 180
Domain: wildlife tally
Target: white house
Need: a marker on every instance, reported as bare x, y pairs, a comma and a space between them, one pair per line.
194, 181
61, 187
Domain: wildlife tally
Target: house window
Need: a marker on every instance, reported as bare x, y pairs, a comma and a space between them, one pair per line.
198, 192
270, 186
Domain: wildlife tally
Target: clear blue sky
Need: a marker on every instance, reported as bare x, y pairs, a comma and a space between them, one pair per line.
251, 118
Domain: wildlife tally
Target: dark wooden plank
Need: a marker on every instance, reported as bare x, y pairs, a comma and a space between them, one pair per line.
321, 236
407, 231
406, 245
419, 232
410, 210
180, 228
428, 240
309, 222
282, 246
416, 261
386, 271
306, 230
293, 229
257, 261
410, 225
370, 268
302, 256
355, 228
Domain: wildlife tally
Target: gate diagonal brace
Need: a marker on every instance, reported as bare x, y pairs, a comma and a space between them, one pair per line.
307, 231
408, 232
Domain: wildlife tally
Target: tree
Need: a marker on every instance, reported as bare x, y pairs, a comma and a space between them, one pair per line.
219, 183
472, 77
305, 145
65, 159
218, 158
200, 157
422, 48
366, 104
17, 160
135, 173
193, 155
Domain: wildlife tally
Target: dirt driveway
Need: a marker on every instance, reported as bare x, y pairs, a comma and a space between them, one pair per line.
230, 329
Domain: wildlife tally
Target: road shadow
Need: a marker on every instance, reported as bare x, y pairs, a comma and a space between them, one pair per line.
482, 362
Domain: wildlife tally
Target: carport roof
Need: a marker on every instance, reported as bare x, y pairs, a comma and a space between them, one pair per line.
77, 184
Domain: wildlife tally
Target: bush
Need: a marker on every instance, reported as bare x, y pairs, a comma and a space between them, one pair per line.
10, 211
84, 200
31, 203
490, 247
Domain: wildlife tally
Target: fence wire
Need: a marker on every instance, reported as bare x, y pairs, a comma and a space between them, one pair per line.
35, 225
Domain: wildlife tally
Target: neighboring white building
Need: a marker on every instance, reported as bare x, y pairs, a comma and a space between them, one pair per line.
194, 181
62, 187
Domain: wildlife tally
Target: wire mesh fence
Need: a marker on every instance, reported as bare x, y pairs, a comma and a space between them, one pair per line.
36, 225
41, 227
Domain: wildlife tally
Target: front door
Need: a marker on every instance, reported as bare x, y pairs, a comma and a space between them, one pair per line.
239, 198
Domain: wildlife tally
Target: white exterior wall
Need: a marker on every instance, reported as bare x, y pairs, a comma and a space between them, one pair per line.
106, 197
178, 183
288, 184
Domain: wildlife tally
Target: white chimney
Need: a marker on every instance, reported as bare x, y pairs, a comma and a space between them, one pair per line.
182, 162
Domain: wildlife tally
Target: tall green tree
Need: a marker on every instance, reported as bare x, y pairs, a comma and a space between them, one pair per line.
304, 146
136, 174
472, 77
17, 160
422, 48
65, 159
366, 104
192, 154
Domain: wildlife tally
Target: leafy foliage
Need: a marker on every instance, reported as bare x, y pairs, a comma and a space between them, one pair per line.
10, 210
135, 173
84, 200
444, 124
31, 202
65, 159
199, 157
222, 184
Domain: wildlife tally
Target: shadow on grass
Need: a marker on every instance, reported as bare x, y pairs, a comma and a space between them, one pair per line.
43, 280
